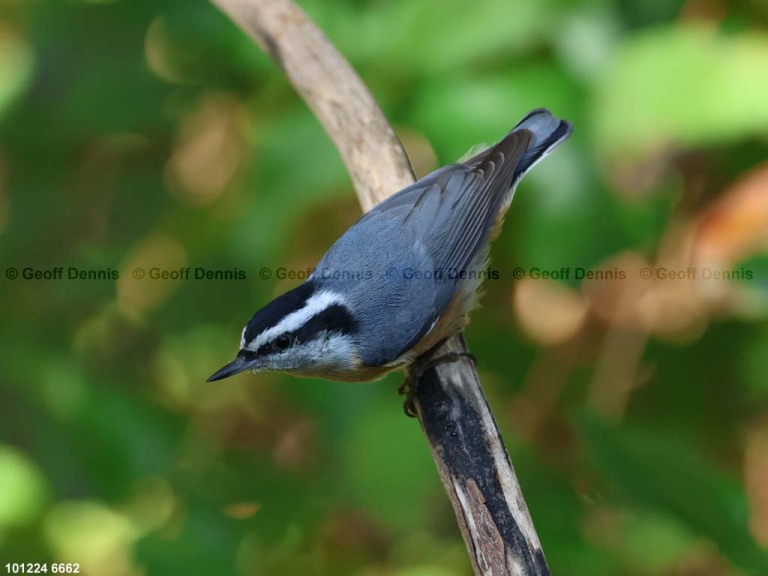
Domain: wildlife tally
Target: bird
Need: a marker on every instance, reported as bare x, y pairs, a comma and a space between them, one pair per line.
404, 277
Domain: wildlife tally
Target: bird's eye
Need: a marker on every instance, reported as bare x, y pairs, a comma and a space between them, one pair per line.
283, 342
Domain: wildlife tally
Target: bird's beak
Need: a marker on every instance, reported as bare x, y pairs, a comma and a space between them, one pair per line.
239, 364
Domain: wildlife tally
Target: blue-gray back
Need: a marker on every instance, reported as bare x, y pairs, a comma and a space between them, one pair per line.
394, 265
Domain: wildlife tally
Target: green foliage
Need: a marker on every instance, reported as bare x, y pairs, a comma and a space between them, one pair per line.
664, 474
683, 84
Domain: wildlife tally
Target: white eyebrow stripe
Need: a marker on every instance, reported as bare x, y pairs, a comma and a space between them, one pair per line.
295, 320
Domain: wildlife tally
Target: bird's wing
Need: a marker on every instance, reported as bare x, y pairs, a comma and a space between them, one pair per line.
440, 223
437, 225
452, 211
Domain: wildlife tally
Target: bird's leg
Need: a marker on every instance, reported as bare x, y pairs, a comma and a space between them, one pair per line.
416, 371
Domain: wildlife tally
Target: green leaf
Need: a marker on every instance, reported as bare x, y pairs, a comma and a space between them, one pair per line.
383, 446
435, 35
688, 85
23, 490
16, 67
665, 474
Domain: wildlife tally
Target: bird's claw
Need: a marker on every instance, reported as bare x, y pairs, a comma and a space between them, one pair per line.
416, 371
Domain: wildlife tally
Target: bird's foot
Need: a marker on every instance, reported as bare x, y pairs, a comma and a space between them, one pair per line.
416, 371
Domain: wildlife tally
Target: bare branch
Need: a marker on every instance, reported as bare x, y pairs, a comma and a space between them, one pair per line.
454, 415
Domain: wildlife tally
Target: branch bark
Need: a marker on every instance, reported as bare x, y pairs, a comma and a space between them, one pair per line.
454, 414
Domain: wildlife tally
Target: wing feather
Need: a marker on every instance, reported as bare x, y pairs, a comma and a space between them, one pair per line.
452, 214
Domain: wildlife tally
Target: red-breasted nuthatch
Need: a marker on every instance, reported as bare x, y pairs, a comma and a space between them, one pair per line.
404, 277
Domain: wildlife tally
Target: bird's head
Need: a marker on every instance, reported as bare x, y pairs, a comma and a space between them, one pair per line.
307, 331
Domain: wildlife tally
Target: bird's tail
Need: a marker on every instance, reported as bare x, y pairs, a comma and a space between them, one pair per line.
548, 133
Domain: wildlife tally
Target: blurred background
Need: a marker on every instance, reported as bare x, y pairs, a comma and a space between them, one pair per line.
623, 347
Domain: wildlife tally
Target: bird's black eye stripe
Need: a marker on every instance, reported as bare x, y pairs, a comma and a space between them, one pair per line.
279, 344
336, 318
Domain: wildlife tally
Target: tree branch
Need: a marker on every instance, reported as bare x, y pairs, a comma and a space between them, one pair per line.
454, 414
